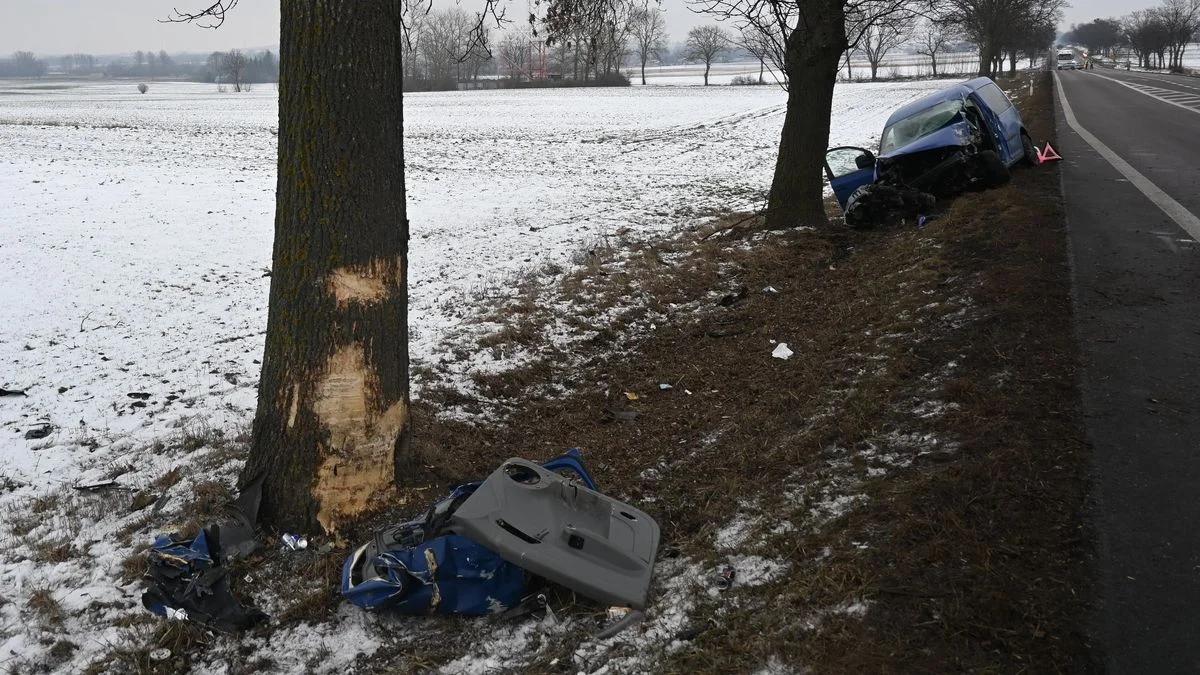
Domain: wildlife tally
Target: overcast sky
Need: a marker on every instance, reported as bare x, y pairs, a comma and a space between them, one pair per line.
124, 26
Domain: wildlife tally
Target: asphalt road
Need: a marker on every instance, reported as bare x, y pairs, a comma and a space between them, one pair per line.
1136, 280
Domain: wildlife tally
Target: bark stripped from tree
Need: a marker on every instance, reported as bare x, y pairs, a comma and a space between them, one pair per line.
333, 399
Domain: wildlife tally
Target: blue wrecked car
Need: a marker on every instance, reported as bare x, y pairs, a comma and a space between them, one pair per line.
966, 136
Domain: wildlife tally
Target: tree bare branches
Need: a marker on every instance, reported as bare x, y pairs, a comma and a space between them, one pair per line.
649, 32
211, 17
705, 44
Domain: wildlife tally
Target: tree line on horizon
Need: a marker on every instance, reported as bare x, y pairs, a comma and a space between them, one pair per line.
234, 67
1157, 37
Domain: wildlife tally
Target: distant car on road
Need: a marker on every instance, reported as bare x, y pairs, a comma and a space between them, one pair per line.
1066, 60
967, 135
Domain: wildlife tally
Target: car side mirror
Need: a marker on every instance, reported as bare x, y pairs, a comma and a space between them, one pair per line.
865, 161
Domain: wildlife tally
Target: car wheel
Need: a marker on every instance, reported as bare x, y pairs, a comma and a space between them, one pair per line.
1031, 153
992, 169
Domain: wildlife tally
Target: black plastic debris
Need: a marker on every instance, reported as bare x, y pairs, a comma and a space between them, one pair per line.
97, 486
188, 579
883, 204
39, 432
725, 577
614, 415
12, 392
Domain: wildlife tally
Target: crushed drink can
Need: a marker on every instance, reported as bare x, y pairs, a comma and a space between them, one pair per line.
295, 542
177, 614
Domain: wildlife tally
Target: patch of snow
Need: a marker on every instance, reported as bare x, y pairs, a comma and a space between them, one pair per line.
735, 534
753, 570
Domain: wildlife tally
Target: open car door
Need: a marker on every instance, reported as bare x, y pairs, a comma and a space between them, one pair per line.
848, 168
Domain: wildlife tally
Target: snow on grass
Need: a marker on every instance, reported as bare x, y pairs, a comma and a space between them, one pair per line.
133, 287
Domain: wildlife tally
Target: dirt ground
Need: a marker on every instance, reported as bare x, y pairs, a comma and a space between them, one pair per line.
917, 466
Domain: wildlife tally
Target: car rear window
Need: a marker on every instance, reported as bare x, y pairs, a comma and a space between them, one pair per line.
994, 98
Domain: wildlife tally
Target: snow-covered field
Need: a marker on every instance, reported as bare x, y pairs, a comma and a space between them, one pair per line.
137, 229
894, 66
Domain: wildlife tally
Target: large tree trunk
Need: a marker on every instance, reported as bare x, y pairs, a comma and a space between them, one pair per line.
707, 65
333, 399
812, 61
987, 54
643, 72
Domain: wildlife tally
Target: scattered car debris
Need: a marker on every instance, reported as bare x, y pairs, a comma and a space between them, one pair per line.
482, 548
620, 621
731, 299
663, 386
770, 290
97, 486
12, 392
782, 351
141, 500
39, 431
612, 414
725, 576
187, 579
882, 204
139, 395
632, 396
160, 654
294, 542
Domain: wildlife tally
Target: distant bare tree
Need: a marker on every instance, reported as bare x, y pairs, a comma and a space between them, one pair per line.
139, 57
649, 34
705, 44
882, 30
152, 62
1181, 19
759, 47
25, 64
233, 65
933, 39
165, 62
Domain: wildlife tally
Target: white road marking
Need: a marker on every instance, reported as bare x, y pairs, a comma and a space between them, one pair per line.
1174, 210
1146, 89
1160, 80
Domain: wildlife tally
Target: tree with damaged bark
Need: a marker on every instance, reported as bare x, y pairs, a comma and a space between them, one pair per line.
808, 37
331, 429
704, 44
332, 420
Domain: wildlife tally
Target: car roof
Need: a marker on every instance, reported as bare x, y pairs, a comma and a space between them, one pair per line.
953, 92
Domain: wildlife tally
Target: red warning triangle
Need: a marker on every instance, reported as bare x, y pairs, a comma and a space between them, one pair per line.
1048, 154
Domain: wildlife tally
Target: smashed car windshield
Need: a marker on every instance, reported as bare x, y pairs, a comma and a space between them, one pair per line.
921, 124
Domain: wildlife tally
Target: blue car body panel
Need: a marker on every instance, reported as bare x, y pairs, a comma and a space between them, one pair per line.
844, 186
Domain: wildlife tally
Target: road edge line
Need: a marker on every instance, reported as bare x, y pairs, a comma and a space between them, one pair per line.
1174, 210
